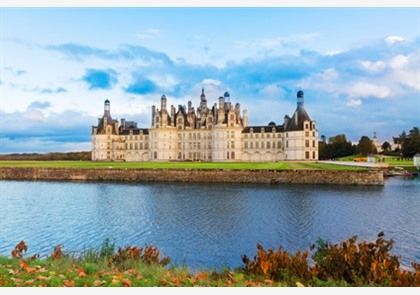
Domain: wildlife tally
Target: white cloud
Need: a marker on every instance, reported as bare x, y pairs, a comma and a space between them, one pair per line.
34, 115
333, 52
393, 39
405, 70
373, 67
363, 89
354, 102
329, 74
399, 62
211, 82
149, 34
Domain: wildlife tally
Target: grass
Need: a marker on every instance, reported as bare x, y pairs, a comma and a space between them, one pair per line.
391, 160
178, 165
139, 267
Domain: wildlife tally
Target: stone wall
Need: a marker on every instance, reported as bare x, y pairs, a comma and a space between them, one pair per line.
368, 177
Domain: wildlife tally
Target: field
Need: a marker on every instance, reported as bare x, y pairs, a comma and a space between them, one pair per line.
177, 165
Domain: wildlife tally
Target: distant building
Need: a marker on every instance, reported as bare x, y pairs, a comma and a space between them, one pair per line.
218, 133
376, 144
396, 143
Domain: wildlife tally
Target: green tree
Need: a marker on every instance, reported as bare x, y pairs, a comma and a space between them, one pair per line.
337, 147
410, 143
386, 146
365, 146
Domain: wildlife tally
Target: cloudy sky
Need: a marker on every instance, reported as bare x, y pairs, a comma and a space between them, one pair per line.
359, 68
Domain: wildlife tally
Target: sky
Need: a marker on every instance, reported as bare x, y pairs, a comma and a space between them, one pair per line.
359, 68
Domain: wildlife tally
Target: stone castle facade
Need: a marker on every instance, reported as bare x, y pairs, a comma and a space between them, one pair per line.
218, 133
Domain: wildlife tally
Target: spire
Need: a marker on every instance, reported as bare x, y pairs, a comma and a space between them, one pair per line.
107, 106
300, 99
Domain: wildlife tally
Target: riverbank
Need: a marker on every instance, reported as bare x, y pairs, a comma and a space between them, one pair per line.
301, 176
144, 267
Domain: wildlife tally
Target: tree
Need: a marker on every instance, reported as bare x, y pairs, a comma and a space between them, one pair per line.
410, 143
337, 147
386, 146
365, 146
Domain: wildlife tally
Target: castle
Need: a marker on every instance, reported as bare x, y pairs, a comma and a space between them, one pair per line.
218, 133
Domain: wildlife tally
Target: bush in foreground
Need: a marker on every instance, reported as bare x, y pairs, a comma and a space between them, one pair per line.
343, 264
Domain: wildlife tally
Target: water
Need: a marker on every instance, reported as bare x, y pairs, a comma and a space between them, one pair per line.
207, 225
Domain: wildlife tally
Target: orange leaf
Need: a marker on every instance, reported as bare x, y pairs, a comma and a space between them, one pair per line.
201, 276
16, 280
115, 281
42, 285
42, 278
131, 272
68, 283
82, 274
264, 266
23, 264
98, 283
126, 283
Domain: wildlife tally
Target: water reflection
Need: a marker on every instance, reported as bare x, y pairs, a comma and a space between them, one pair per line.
207, 225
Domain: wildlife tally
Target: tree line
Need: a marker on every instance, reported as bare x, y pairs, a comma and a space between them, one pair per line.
338, 146
70, 156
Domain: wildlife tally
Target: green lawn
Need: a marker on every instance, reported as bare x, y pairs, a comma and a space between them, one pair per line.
391, 160
176, 165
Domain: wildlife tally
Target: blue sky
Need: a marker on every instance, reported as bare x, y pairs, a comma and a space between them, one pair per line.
359, 68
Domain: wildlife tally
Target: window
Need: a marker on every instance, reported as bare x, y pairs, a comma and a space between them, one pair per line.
306, 155
155, 155
313, 134
313, 143
268, 144
246, 144
306, 143
256, 145
232, 155
307, 133
313, 155
227, 155
278, 144
287, 144
306, 126
232, 144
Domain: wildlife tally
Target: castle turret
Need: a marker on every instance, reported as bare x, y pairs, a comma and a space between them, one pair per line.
245, 118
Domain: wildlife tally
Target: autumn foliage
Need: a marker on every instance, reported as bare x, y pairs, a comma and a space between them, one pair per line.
357, 264
348, 263
148, 254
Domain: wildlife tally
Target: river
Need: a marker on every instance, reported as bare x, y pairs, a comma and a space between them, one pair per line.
207, 225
